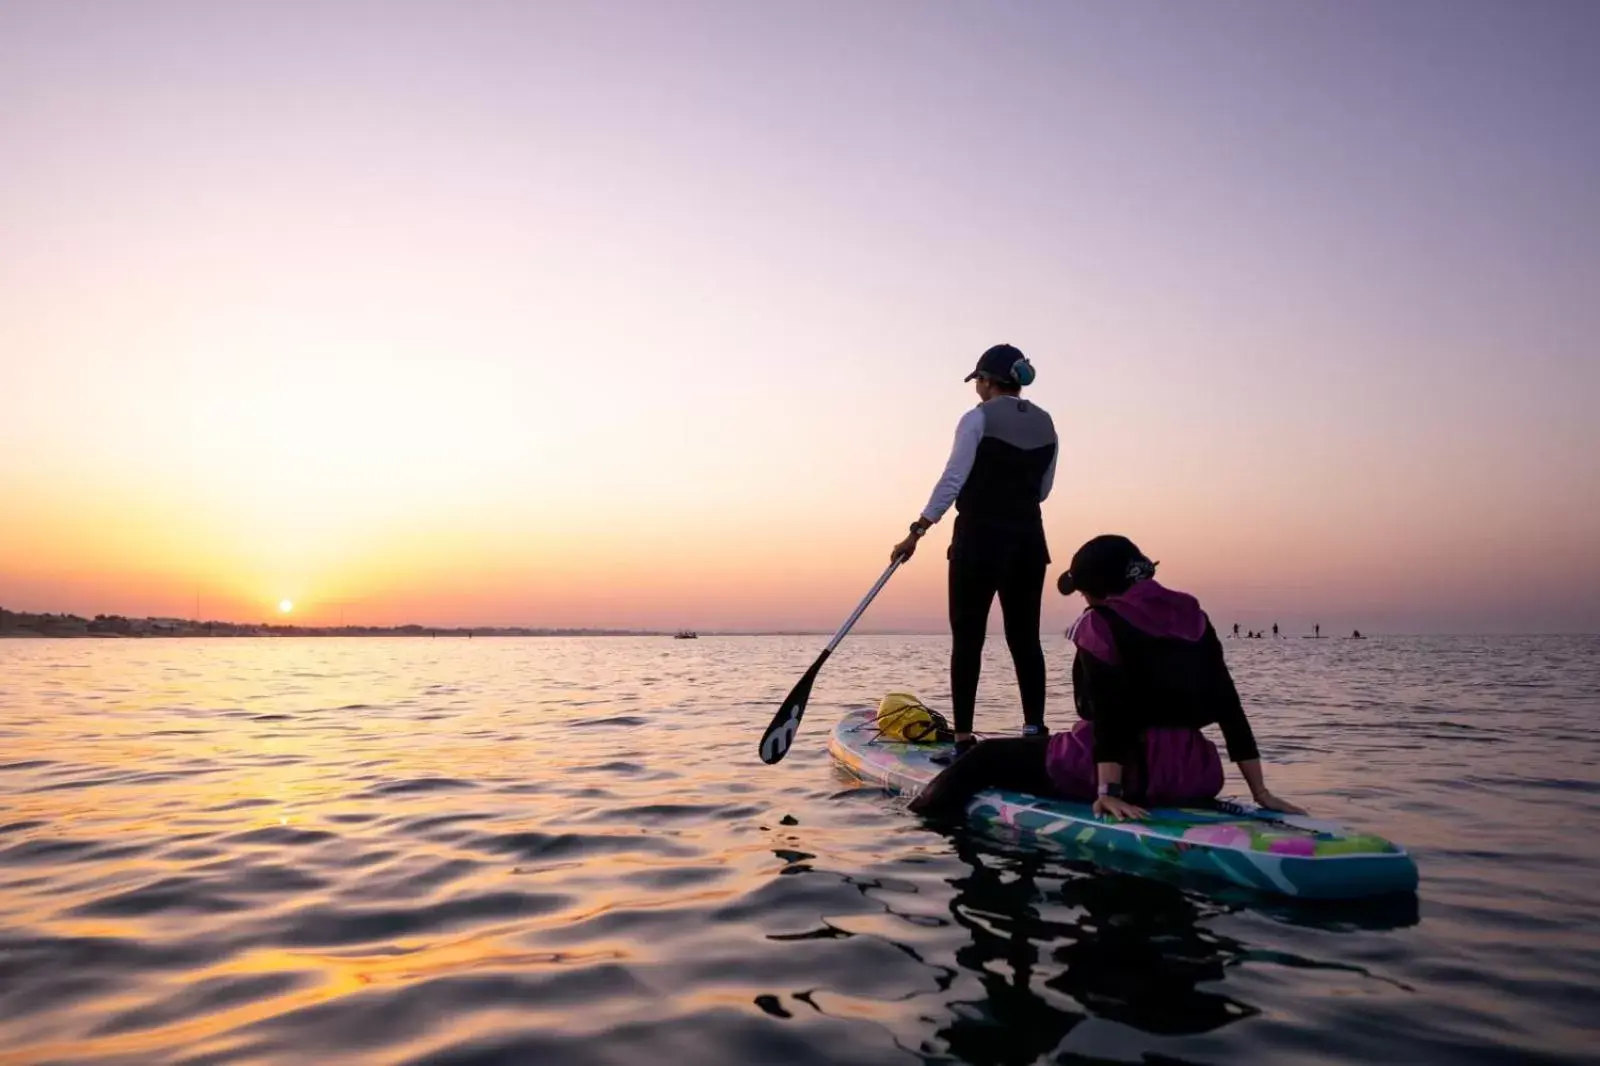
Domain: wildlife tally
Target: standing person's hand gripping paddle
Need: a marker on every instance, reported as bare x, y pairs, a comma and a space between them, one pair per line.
908, 547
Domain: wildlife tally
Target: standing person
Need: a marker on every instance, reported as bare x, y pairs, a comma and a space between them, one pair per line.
1000, 470
1274, 631
1317, 629
1236, 629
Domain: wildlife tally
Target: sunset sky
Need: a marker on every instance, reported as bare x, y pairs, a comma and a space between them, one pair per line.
656, 314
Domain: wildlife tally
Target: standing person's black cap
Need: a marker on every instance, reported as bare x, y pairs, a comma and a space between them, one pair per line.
1004, 363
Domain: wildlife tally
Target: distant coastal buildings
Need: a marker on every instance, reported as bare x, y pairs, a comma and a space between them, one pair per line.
24, 624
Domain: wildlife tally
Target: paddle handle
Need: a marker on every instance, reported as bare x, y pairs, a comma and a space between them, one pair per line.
865, 602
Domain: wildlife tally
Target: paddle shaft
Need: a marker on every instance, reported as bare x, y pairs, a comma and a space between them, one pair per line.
865, 602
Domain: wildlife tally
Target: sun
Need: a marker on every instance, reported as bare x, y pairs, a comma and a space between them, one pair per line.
285, 606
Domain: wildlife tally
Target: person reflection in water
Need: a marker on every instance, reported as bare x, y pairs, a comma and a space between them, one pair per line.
1133, 952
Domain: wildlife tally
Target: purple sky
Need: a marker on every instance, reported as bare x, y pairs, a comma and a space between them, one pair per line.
464, 309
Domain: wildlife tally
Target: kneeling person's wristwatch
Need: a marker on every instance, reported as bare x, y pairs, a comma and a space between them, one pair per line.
1113, 789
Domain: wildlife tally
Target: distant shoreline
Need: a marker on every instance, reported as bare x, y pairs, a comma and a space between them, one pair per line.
239, 632
30, 626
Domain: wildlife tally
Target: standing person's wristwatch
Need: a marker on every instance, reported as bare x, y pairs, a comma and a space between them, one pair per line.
920, 526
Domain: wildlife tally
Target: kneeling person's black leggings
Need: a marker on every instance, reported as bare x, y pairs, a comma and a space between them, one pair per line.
1017, 575
1015, 763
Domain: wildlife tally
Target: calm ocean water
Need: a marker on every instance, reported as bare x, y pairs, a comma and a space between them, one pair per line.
566, 851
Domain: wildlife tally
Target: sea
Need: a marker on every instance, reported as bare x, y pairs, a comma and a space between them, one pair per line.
567, 851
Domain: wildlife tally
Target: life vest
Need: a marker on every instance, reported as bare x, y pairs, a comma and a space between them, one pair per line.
1019, 441
1170, 682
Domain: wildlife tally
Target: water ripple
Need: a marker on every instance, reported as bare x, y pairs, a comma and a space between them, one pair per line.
493, 852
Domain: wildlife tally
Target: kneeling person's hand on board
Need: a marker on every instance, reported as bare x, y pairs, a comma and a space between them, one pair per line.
1267, 801
1119, 808
1253, 776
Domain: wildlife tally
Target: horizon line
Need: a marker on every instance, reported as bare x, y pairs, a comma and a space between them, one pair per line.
166, 625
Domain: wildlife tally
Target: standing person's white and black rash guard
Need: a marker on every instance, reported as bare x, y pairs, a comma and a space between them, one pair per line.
1001, 467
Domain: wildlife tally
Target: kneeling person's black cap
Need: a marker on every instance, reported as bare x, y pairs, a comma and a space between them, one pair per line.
1105, 566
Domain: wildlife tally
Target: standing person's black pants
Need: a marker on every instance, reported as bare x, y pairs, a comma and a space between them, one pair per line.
985, 562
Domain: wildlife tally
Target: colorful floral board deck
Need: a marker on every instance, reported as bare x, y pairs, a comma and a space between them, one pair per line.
1284, 854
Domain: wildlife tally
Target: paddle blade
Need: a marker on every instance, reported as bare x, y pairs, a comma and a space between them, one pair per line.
780, 733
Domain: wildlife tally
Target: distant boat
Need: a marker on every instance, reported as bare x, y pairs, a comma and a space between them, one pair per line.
685, 634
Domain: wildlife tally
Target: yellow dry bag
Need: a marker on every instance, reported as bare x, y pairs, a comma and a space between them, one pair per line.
901, 716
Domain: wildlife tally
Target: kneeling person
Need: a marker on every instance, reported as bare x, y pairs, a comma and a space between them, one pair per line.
1147, 676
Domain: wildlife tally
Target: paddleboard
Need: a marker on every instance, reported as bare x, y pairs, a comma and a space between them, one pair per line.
1288, 855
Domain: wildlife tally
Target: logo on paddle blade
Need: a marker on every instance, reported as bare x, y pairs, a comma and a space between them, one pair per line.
780, 737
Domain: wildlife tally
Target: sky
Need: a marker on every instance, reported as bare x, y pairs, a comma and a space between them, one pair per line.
656, 315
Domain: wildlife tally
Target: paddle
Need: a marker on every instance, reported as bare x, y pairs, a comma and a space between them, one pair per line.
780, 734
